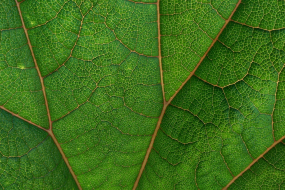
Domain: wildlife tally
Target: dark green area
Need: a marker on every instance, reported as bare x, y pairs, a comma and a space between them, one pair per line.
29, 159
188, 29
266, 173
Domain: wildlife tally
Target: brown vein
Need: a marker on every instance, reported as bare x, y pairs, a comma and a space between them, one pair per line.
35, 61
166, 103
159, 52
140, 2
64, 158
256, 27
18, 116
253, 162
150, 146
45, 98
206, 53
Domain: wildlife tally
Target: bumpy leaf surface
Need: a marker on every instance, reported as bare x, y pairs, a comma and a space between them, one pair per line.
29, 157
142, 94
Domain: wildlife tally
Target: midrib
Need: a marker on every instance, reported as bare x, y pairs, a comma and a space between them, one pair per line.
49, 131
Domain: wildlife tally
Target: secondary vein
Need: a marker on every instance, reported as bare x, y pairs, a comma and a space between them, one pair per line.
35, 62
50, 132
166, 103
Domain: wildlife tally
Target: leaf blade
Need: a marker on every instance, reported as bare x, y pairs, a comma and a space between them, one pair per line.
31, 159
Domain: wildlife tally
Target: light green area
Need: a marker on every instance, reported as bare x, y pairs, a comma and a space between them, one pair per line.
102, 81
19, 82
85, 30
188, 29
99, 60
111, 129
105, 149
266, 173
221, 120
38, 12
53, 42
29, 159
262, 14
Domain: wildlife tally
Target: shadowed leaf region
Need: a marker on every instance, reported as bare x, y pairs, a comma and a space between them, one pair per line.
29, 159
267, 173
187, 31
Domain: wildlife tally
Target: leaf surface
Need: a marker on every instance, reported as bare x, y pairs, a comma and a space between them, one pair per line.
187, 30
266, 173
29, 157
124, 94
20, 86
227, 115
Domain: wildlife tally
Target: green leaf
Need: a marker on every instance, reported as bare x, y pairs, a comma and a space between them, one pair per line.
266, 173
29, 158
142, 94
20, 86
188, 28
227, 115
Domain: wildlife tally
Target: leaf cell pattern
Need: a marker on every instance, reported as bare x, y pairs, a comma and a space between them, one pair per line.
99, 78
267, 173
100, 67
225, 116
29, 157
19, 83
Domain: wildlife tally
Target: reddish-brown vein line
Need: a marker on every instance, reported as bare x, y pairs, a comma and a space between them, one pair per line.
45, 98
159, 53
65, 159
206, 53
164, 102
253, 162
35, 61
165, 105
16, 115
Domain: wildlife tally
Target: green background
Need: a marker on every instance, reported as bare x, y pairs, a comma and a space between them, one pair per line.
100, 65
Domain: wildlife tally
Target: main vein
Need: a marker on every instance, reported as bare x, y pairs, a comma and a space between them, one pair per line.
45, 98
35, 62
166, 103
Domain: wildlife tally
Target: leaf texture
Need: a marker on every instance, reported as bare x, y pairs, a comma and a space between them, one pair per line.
142, 94
29, 157
226, 115
20, 86
187, 30
267, 173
